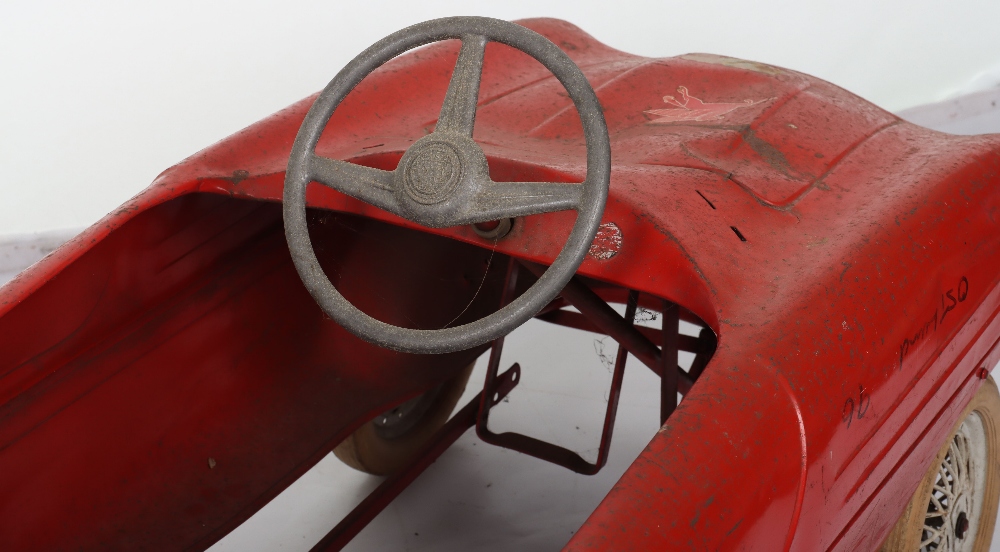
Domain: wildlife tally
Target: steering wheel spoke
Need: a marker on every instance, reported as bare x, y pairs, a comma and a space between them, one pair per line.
458, 114
370, 185
497, 200
443, 179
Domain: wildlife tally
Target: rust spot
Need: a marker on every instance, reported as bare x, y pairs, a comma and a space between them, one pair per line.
239, 176
769, 153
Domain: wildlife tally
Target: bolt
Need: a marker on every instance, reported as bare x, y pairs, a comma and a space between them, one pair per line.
983, 373
961, 525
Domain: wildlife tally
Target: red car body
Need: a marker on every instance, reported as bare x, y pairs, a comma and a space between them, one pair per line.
164, 374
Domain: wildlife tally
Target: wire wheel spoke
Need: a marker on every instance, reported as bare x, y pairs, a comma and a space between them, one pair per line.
953, 507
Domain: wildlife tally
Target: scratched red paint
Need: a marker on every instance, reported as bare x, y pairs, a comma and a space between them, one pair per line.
607, 242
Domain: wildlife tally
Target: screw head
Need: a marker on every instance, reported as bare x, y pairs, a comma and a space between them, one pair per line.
494, 229
983, 373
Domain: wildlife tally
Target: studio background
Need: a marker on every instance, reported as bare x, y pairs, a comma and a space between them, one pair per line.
99, 97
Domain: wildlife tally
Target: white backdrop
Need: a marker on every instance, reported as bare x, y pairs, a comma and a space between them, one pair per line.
99, 97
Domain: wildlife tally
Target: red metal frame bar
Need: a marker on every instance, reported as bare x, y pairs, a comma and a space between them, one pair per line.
607, 321
578, 321
596, 315
374, 503
703, 350
616, 387
548, 451
668, 356
702, 346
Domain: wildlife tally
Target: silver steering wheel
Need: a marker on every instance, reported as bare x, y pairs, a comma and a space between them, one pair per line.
443, 179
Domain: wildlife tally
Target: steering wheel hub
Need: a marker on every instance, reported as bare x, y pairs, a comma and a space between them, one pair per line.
431, 173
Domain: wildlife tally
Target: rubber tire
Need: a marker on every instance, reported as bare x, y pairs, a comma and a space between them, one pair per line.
906, 535
366, 451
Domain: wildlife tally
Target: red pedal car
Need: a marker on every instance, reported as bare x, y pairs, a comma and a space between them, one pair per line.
323, 279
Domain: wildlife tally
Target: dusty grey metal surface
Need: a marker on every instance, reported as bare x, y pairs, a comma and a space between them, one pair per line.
443, 179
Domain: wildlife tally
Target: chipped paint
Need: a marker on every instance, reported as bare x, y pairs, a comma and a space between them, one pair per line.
607, 242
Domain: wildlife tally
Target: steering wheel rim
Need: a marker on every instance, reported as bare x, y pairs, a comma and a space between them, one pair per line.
431, 188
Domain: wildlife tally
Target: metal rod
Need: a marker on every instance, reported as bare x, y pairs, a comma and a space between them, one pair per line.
669, 371
610, 323
578, 321
703, 352
604, 318
374, 503
616, 388
493, 366
548, 451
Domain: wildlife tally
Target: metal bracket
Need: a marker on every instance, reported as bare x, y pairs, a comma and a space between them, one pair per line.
597, 316
538, 448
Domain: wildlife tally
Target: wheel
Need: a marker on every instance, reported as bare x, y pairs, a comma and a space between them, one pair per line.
955, 506
443, 179
386, 443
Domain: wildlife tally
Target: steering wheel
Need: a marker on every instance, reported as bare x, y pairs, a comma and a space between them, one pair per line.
443, 180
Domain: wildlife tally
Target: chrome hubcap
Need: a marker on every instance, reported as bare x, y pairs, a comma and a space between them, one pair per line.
398, 421
953, 512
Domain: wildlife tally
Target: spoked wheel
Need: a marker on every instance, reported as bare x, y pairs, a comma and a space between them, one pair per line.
386, 443
955, 507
